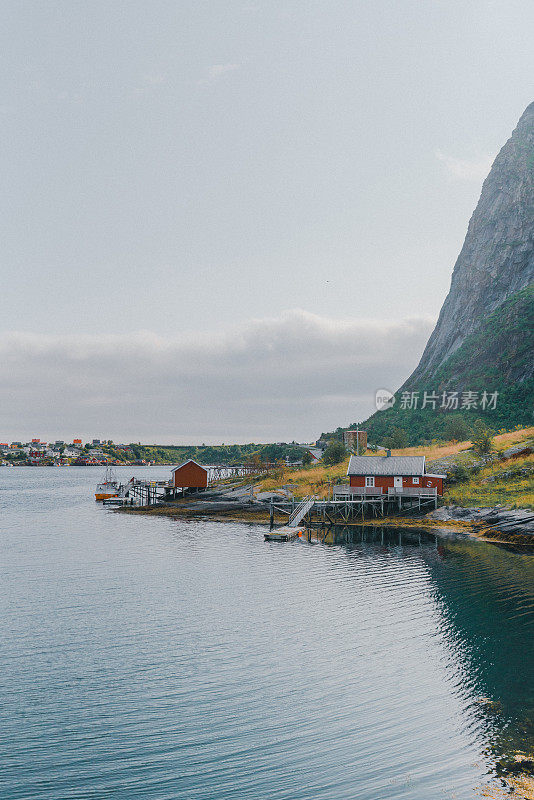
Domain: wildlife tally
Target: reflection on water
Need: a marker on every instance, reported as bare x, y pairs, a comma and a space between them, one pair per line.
152, 658
486, 595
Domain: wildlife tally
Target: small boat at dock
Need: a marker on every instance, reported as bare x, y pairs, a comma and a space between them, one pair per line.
108, 487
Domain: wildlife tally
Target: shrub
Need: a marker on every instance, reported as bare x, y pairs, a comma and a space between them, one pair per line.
460, 474
397, 440
482, 438
457, 429
307, 459
334, 453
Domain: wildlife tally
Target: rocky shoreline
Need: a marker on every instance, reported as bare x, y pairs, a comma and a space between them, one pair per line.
493, 522
240, 505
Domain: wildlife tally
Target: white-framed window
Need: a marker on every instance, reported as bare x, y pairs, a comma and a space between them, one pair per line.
415, 480
370, 481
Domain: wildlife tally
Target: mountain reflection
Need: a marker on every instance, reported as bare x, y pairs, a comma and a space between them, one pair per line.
486, 597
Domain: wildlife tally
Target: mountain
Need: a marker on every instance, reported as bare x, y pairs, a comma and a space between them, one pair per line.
483, 340
497, 258
496, 358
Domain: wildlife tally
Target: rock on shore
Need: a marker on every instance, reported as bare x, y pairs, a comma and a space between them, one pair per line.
500, 519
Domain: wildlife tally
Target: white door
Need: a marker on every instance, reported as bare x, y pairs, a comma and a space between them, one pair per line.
397, 482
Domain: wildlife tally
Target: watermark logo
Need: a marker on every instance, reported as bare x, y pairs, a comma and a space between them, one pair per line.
442, 401
383, 399
450, 401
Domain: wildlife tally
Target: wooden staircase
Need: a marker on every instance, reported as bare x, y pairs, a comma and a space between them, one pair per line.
298, 514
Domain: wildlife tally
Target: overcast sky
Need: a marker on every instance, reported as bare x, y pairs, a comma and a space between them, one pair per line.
233, 221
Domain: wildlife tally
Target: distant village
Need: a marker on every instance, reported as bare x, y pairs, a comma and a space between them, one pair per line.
99, 452
75, 453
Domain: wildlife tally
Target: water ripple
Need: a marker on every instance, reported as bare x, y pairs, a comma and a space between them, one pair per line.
147, 658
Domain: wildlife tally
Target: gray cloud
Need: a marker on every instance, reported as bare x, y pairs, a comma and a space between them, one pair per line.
466, 169
216, 71
268, 379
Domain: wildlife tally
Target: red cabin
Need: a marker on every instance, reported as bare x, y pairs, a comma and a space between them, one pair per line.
393, 475
190, 475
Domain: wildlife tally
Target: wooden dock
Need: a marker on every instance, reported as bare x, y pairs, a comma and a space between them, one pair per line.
284, 534
352, 508
146, 492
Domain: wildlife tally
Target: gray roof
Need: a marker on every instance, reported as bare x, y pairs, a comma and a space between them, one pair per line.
386, 465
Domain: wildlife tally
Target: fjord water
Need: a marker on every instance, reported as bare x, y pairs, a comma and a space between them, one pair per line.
145, 657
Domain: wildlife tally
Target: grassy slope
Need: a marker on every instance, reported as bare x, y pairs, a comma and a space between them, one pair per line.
435, 452
510, 483
318, 479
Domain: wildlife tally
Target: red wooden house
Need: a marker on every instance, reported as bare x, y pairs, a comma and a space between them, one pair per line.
393, 475
190, 475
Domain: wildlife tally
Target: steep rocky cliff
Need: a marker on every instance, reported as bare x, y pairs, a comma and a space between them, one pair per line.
496, 358
483, 341
497, 258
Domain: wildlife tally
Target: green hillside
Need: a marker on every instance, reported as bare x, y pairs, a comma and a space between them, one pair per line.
498, 357
208, 454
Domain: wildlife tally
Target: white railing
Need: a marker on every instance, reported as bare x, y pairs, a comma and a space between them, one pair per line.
151, 483
343, 491
126, 488
413, 491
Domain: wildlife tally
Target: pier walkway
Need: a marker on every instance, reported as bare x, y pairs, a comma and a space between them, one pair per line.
303, 508
350, 506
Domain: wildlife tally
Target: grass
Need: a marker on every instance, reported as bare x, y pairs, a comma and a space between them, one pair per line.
314, 480
480, 490
510, 483
435, 451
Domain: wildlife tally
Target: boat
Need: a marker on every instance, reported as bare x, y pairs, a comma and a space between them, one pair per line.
109, 487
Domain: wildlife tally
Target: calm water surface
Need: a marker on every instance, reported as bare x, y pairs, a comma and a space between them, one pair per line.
151, 658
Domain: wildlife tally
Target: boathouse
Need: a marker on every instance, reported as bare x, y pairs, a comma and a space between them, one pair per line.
387, 475
190, 475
